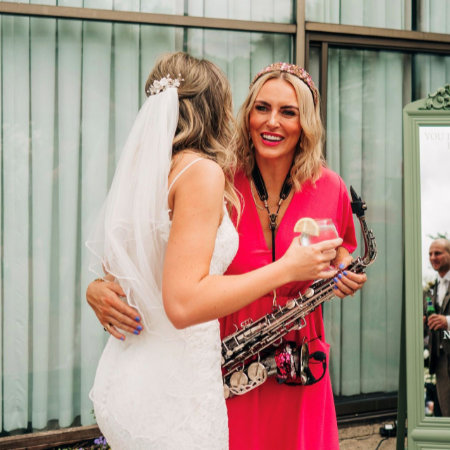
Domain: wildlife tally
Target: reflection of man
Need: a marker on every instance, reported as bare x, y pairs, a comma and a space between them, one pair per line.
439, 322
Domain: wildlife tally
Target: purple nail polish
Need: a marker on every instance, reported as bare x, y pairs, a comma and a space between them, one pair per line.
341, 266
335, 279
344, 272
334, 287
136, 332
339, 275
139, 328
122, 338
137, 319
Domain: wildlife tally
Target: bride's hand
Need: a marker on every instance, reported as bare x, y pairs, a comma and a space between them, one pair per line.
114, 314
311, 262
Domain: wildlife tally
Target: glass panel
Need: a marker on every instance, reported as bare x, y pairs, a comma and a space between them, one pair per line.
278, 11
314, 64
370, 13
149, 6
70, 91
433, 16
430, 72
240, 55
364, 145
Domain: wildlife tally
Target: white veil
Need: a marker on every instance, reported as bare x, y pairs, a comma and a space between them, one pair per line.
130, 235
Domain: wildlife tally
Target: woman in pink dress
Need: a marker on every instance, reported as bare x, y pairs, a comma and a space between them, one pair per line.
282, 178
280, 133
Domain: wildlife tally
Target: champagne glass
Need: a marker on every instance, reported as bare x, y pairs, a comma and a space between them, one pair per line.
318, 230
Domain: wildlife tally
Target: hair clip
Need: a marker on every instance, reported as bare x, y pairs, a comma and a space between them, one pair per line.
164, 83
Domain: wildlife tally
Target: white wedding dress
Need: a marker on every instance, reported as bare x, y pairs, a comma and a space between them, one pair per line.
163, 389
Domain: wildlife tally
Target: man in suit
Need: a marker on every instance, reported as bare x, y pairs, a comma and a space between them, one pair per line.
439, 322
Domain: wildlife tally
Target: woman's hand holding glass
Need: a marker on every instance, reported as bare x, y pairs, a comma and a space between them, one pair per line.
311, 262
321, 230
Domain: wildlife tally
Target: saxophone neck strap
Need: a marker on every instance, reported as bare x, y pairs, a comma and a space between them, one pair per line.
258, 180
260, 186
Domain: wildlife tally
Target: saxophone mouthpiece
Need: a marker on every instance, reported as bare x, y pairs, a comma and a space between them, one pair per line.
358, 205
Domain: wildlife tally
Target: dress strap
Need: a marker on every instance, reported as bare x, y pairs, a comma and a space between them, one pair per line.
178, 175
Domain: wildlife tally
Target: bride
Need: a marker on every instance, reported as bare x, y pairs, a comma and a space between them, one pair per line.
164, 234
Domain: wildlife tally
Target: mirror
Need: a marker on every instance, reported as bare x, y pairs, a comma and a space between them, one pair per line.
434, 149
426, 150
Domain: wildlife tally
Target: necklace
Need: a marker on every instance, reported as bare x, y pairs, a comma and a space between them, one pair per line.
264, 196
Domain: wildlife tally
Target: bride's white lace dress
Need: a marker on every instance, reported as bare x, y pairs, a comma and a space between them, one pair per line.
163, 388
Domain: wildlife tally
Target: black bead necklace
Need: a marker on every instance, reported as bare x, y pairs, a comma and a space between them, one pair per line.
262, 194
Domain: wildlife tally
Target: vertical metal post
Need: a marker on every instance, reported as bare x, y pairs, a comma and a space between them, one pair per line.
307, 50
415, 13
402, 400
300, 33
323, 85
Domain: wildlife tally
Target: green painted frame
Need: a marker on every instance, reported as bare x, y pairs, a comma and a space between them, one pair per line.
423, 432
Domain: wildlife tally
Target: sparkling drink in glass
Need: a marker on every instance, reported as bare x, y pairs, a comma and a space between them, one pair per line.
326, 231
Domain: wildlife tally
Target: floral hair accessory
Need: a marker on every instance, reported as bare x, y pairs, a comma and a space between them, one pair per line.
298, 71
164, 83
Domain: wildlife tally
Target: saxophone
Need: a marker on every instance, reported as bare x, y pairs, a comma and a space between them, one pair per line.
246, 363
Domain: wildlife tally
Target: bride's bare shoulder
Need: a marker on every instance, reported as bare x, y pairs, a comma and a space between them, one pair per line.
196, 165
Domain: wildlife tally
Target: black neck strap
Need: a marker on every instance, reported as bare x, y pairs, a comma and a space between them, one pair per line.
264, 196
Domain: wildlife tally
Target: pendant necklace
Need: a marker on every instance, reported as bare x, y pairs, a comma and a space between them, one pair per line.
262, 194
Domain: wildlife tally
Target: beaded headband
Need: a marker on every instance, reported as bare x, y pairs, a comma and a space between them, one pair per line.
298, 71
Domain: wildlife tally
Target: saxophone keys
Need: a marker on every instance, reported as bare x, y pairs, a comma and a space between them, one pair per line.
290, 304
309, 293
300, 324
257, 372
246, 323
238, 379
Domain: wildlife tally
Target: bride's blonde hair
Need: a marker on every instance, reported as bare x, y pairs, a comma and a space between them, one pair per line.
206, 124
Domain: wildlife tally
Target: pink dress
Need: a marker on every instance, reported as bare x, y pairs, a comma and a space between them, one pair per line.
278, 416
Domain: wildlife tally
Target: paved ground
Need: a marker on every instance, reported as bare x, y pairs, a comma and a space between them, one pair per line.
365, 437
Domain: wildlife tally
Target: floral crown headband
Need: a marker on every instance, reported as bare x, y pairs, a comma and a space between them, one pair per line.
164, 83
298, 71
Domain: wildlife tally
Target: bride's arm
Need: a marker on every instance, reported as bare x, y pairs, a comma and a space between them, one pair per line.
190, 294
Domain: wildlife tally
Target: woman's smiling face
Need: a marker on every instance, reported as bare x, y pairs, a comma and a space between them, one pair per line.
274, 121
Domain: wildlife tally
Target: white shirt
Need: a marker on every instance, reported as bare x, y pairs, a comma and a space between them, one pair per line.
442, 289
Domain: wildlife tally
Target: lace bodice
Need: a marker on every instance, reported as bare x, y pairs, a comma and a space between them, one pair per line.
226, 246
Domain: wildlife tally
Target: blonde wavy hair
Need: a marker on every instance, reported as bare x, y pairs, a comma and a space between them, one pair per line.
308, 157
206, 124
